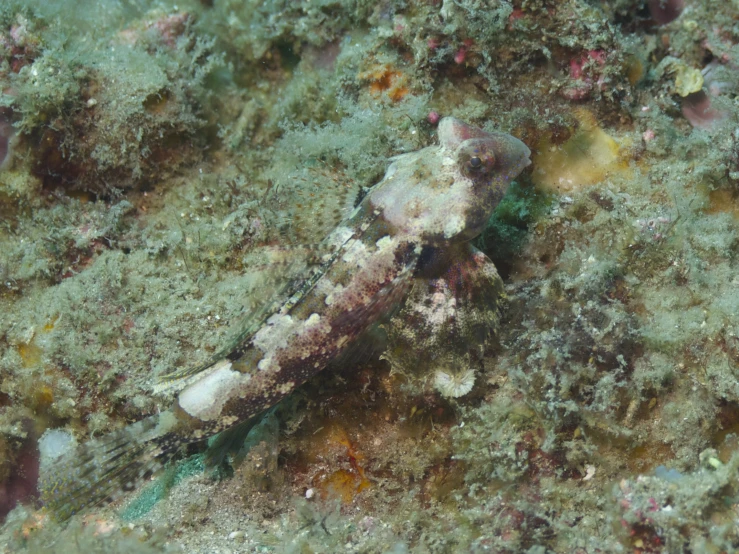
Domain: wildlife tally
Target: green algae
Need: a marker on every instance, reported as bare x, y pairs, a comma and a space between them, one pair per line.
508, 228
158, 491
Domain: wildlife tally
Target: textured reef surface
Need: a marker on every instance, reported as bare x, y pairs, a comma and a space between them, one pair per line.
166, 167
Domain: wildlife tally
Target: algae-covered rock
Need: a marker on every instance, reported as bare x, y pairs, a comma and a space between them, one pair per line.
166, 167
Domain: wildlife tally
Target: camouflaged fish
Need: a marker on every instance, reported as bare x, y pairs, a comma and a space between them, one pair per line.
419, 217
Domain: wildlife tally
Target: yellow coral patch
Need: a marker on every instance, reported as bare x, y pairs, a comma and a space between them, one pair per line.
635, 70
587, 158
30, 354
333, 445
384, 79
723, 200
344, 485
688, 80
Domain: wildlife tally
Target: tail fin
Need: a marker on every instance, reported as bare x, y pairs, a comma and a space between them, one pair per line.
103, 468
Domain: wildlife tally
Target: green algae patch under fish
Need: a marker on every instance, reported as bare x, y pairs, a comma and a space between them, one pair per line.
419, 217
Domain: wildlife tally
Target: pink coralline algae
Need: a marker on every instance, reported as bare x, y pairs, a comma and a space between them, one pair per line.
461, 55
698, 108
18, 46
699, 111
583, 83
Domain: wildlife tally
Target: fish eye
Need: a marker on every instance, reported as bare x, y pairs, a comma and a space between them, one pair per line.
479, 162
476, 159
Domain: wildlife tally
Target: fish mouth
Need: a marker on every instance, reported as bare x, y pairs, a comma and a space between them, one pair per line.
528, 155
515, 156
525, 155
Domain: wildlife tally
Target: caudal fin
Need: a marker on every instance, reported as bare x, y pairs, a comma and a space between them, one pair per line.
103, 468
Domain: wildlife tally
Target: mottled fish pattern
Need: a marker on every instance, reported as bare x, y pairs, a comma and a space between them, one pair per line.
432, 200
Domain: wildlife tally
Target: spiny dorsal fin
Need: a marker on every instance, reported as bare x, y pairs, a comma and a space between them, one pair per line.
305, 272
320, 199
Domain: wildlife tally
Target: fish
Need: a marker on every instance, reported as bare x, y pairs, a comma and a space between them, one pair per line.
424, 212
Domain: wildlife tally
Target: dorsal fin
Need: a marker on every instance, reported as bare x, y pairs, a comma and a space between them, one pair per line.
320, 199
308, 270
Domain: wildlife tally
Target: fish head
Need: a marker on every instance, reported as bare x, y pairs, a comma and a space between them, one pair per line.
446, 193
482, 165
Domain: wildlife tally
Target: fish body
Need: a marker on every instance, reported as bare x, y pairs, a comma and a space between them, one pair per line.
431, 200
